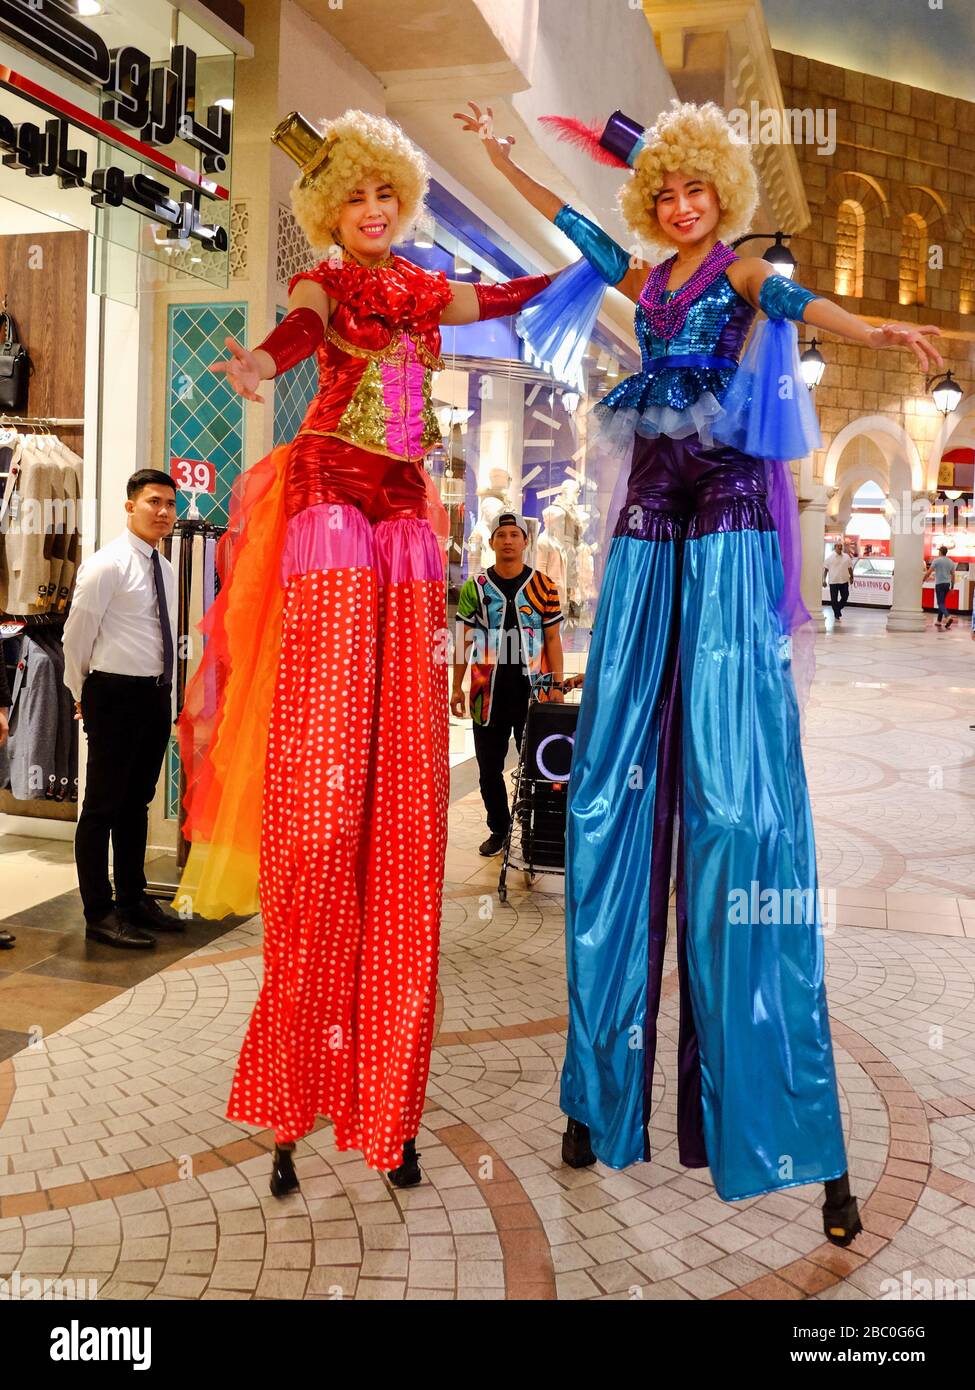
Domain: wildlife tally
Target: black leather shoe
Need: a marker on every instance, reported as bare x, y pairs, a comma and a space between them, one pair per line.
576, 1147
408, 1173
7, 940
113, 931
494, 844
841, 1217
284, 1179
149, 916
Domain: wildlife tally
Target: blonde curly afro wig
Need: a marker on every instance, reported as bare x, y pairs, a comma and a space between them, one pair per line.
365, 147
693, 140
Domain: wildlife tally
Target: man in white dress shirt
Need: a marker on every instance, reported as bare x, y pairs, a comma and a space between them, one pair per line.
839, 572
119, 648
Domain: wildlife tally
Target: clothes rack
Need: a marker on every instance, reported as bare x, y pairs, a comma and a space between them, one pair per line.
48, 421
34, 619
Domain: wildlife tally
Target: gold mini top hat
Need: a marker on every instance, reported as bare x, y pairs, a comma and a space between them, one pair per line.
304, 143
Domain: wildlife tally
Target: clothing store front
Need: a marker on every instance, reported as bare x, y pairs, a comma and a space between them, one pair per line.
115, 137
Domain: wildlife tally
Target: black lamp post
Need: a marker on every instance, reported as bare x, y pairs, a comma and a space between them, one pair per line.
946, 392
812, 364
778, 255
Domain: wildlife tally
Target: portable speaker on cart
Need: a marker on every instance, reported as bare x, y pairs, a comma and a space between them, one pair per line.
535, 842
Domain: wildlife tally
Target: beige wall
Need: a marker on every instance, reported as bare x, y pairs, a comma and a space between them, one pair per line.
899, 150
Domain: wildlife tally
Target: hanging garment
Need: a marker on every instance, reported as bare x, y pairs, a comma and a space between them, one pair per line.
29, 509
73, 474
66, 748
56, 537
35, 723
10, 454
65, 550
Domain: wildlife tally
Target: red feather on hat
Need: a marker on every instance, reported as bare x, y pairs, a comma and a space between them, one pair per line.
586, 137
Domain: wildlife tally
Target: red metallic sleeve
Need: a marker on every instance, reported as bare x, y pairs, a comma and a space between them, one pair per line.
296, 337
498, 301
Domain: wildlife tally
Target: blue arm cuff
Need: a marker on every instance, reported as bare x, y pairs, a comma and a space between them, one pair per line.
605, 255
781, 298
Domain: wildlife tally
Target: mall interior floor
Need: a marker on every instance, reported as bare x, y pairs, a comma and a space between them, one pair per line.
97, 1123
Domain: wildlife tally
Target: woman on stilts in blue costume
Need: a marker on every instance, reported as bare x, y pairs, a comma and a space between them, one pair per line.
689, 724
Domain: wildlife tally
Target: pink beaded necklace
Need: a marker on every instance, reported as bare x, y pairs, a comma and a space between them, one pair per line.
667, 316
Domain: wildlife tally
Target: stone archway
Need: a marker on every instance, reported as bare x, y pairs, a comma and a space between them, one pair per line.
901, 472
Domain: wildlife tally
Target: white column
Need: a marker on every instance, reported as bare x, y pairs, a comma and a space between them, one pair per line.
907, 548
812, 529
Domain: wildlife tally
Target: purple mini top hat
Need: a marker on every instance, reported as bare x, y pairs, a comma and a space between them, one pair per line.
624, 138
619, 142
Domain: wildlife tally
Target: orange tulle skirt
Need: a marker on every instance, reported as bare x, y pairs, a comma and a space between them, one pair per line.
223, 726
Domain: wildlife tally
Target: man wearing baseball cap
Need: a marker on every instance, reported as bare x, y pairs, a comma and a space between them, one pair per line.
511, 616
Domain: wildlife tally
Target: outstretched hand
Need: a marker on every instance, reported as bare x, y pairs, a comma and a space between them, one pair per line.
242, 370
912, 336
482, 124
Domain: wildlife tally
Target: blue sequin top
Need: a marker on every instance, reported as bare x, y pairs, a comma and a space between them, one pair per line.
717, 323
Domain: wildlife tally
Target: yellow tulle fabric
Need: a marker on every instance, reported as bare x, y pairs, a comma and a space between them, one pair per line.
223, 736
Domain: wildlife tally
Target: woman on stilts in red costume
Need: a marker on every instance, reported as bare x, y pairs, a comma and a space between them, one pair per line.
319, 773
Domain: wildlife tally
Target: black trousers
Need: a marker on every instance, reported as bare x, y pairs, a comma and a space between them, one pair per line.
839, 597
127, 723
509, 709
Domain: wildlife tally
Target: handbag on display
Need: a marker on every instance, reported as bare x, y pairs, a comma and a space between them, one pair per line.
14, 366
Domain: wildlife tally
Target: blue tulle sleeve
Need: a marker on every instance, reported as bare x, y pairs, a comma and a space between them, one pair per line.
557, 324
767, 411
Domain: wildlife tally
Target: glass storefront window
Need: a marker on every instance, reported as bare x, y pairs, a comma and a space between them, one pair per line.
153, 27
515, 438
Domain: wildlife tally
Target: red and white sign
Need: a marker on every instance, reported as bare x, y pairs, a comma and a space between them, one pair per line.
194, 475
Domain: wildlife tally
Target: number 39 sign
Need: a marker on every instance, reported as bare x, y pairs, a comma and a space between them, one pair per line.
194, 475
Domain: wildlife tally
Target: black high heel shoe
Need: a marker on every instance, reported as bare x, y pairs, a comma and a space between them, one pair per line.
284, 1179
576, 1147
408, 1173
841, 1216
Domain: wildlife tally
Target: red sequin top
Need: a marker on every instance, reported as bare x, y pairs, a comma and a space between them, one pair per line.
380, 350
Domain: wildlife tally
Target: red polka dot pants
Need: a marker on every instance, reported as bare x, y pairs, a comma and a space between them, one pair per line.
353, 840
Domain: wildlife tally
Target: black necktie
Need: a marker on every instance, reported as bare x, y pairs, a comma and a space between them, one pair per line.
164, 623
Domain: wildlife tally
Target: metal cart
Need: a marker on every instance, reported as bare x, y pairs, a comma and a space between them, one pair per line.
535, 842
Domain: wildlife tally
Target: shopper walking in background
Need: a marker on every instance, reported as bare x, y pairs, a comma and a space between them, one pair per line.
511, 615
119, 644
942, 571
839, 572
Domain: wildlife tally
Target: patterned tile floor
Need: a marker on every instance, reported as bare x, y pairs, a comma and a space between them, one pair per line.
117, 1165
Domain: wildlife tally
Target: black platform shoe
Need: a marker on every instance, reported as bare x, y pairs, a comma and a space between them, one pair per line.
841, 1217
284, 1179
408, 1173
576, 1148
